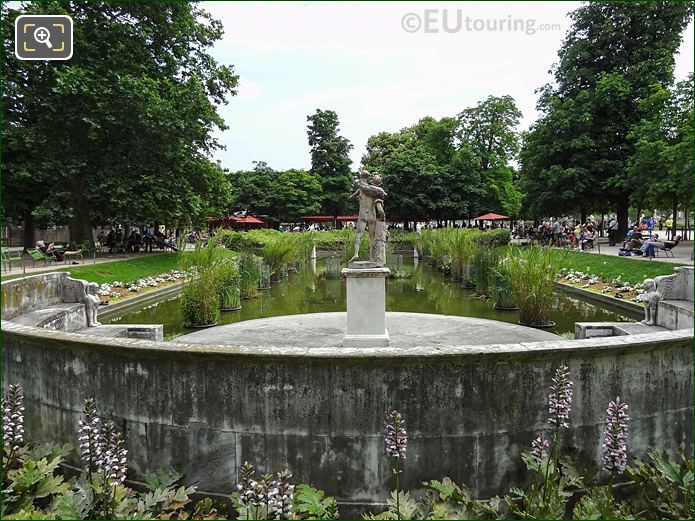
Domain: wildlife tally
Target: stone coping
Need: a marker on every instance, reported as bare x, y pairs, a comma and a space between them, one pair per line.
303, 354
625, 305
138, 300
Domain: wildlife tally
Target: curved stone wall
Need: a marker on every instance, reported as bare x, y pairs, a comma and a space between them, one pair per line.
320, 411
26, 294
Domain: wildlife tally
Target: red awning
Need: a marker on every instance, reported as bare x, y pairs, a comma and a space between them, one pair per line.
491, 217
246, 220
347, 218
317, 218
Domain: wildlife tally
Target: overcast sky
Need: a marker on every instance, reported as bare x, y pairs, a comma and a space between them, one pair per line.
359, 60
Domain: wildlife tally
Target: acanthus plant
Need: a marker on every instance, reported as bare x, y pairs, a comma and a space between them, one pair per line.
12, 427
615, 438
103, 453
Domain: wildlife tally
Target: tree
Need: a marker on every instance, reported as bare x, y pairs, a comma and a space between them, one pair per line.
663, 158
330, 160
288, 195
608, 60
125, 126
252, 189
452, 168
297, 193
413, 165
489, 131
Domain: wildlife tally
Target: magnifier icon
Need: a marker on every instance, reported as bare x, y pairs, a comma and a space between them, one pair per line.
42, 35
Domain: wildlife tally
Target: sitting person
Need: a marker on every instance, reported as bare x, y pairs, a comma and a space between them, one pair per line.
170, 242
650, 246
51, 251
588, 237
46, 249
633, 240
134, 241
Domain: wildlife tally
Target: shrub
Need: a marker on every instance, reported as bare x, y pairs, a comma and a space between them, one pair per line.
499, 237
402, 239
332, 240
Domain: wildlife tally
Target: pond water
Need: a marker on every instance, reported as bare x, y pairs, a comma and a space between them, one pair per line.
426, 291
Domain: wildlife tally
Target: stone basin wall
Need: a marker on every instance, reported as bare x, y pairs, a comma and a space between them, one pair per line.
470, 410
26, 294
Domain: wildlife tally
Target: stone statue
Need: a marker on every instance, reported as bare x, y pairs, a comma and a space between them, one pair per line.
78, 290
651, 299
91, 303
371, 217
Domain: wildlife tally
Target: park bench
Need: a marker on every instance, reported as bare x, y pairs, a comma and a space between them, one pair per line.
37, 255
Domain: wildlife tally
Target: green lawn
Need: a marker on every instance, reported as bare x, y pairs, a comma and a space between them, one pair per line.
124, 271
611, 266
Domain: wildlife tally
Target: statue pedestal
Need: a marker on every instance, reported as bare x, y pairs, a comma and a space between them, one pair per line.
366, 305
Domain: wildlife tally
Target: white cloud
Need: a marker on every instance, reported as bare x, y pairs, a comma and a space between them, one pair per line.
356, 58
247, 89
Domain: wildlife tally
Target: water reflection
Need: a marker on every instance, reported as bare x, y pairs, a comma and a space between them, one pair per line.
425, 291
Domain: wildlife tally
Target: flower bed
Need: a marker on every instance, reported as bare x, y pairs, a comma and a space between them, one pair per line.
117, 290
616, 287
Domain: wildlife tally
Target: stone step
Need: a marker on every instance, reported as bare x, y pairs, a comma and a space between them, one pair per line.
675, 314
69, 316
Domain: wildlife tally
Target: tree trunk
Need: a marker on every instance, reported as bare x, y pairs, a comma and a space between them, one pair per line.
582, 215
622, 205
686, 223
81, 225
674, 222
28, 231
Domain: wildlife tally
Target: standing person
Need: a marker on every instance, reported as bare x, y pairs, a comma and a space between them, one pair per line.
556, 232
148, 238
613, 232
670, 225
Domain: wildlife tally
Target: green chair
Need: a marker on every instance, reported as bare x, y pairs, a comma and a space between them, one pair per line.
72, 255
37, 255
8, 256
88, 249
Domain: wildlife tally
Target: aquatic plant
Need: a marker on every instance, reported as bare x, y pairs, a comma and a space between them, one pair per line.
502, 286
249, 275
483, 261
533, 273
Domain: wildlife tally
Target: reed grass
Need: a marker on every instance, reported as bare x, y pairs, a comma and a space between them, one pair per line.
533, 272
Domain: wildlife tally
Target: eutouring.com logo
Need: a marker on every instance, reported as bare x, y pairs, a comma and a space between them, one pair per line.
455, 21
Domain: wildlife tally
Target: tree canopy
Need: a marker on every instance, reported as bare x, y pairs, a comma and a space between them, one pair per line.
452, 168
330, 160
576, 155
123, 131
289, 194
